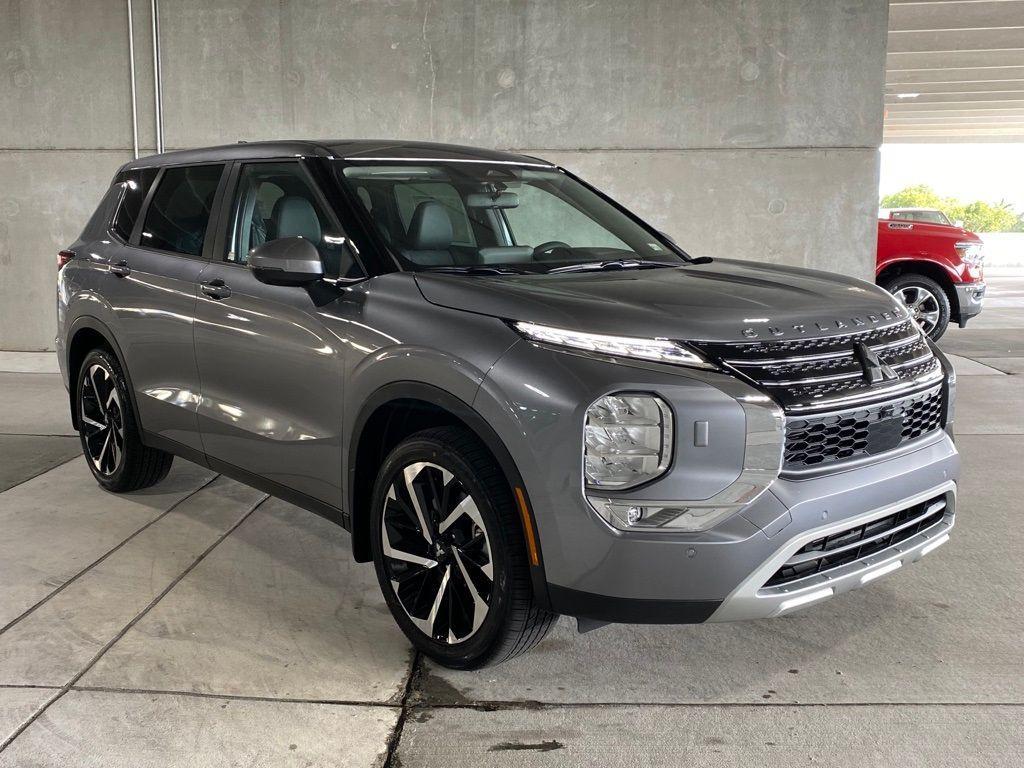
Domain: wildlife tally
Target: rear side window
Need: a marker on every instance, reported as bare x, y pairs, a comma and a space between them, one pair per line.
135, 185
179, 213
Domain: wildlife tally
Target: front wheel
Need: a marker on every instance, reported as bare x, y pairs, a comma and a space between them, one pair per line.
924, 298
107, 426
449, 552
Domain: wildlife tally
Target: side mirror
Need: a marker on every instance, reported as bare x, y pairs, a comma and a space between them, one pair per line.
286, 261
959, 223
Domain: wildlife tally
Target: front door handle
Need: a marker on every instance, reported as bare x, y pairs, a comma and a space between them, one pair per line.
121, 269
215, 289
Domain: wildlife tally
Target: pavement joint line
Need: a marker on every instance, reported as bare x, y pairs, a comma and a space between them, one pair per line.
38, 434
408, 704
21, 686
415, 669
512, 706
234, 696
38, 474
127, 628
31, 609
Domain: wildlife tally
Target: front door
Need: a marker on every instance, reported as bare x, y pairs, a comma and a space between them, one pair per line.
271, 372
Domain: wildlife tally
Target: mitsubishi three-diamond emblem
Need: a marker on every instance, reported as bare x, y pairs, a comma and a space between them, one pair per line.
874, 369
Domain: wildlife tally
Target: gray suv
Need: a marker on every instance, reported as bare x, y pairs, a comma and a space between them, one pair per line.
520, 399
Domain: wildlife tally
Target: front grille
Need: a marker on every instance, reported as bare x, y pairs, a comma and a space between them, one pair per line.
859, 542
836, 410
820, 440
816, 374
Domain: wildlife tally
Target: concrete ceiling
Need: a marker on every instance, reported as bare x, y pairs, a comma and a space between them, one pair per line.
965, 61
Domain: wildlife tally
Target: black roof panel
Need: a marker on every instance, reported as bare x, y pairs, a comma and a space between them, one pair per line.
390, 149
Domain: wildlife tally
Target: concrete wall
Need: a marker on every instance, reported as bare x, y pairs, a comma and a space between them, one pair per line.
743, 128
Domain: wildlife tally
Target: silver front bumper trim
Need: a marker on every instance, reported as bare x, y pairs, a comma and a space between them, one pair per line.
752, 600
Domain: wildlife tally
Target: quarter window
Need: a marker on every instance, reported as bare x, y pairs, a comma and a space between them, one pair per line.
135, 186
179, 213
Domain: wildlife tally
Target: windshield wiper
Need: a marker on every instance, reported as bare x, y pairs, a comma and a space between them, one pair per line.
477, 270
612, 264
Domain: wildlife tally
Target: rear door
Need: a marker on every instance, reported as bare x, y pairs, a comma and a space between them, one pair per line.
152, 291
272, 373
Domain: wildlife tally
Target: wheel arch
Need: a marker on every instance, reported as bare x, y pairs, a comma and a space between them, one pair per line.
392, 413
935, 271
86, 334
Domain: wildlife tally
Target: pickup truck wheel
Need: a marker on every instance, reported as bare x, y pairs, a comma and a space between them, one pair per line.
449, 552
107, 427
924, 298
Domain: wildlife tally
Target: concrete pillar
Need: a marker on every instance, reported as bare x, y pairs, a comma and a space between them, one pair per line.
744, 128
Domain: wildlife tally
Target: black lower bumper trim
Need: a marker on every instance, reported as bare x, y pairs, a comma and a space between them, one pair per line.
625, 610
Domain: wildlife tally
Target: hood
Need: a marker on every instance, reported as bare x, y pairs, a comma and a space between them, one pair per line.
725, 300
927, 228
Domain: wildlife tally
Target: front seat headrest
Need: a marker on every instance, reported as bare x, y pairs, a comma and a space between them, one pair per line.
430, 228
294, 216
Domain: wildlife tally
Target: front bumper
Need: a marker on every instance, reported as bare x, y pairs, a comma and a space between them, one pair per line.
594, 571
754, 599
970, 297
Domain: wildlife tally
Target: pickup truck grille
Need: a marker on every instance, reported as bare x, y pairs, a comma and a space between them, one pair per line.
859, 542
845, 396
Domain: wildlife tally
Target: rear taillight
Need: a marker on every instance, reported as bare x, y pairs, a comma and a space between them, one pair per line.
63, 258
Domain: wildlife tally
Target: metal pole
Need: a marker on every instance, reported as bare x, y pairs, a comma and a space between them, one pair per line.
157, 77
131, 69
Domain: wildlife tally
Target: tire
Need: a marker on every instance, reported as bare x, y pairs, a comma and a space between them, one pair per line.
109, 431
445, 482
926, 300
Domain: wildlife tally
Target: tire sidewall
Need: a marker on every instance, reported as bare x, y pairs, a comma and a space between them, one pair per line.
474, 650
109, 362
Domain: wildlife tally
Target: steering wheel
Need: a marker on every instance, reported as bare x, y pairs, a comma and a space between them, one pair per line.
546, 249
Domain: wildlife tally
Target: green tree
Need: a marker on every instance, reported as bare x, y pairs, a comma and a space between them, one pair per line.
916, 196
977, 216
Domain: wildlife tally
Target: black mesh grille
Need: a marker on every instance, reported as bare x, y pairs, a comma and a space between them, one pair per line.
821, 440
859, 542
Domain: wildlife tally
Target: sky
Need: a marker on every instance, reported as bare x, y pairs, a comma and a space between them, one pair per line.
990, 172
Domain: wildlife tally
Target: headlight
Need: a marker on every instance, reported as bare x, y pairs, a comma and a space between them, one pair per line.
658, 350
970, 252
627, 440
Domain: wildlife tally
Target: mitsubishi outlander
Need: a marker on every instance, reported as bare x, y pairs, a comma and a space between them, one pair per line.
522, 400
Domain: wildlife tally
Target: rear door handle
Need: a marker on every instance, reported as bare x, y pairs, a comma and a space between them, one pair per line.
215, 289
121, 269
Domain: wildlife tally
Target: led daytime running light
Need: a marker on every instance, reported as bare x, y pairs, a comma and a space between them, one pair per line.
657, 350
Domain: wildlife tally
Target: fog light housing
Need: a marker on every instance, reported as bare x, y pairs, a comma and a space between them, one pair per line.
627, 440
659, 516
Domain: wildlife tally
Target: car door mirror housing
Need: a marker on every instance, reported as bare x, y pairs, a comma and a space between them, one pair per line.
286, 261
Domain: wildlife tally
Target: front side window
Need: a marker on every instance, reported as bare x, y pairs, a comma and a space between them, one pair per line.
179, 213
277, 200
523, 219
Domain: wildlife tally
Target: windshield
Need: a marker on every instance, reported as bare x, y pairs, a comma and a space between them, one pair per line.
933, 217
491, 218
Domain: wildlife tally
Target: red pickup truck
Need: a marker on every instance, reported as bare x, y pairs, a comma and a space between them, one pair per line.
934, 268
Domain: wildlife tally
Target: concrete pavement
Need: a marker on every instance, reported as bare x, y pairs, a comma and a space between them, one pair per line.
201, 624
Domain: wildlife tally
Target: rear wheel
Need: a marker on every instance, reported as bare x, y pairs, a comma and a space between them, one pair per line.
924, 298
107, 426
449, 552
